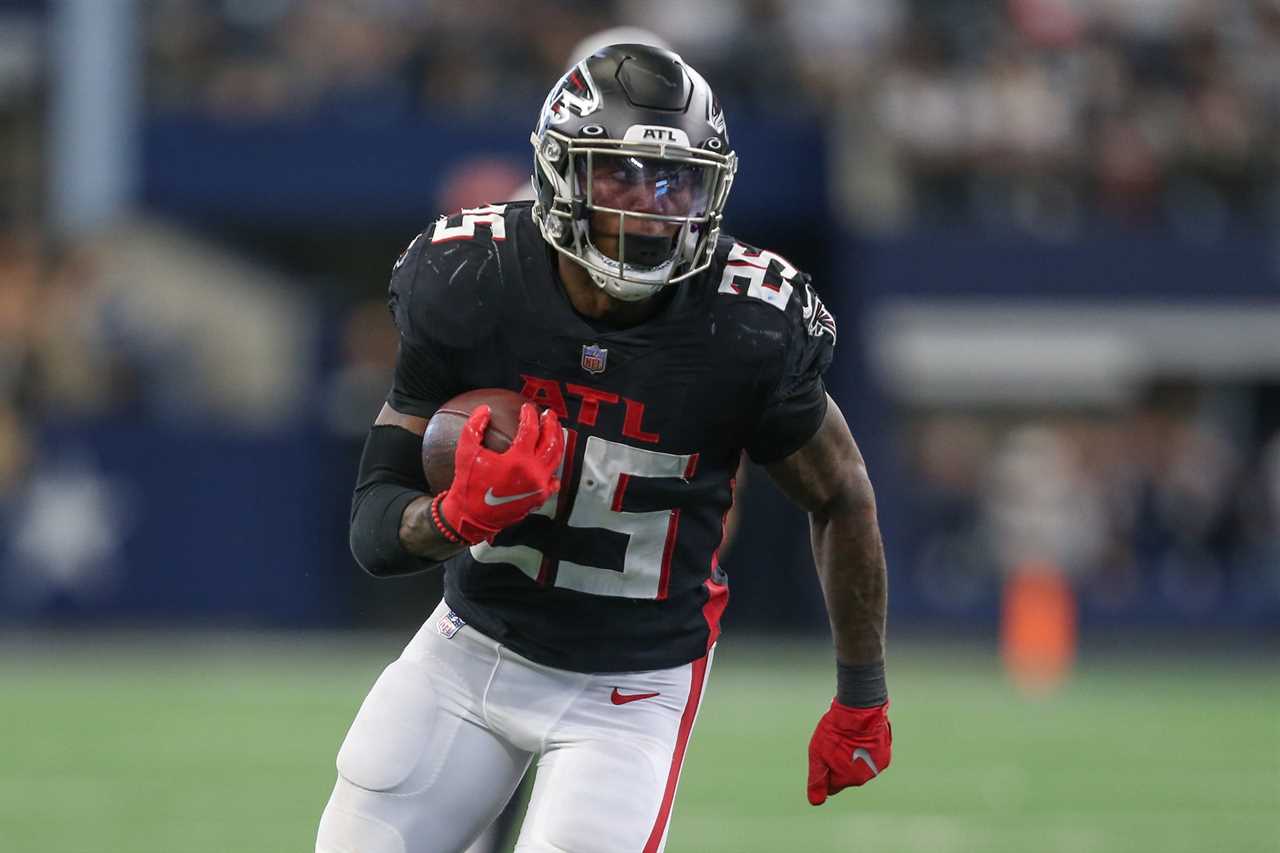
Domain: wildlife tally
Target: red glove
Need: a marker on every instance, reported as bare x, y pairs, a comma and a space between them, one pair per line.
492, 491
850, 746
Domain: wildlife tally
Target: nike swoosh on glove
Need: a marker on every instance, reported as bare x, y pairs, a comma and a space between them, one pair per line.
492, 491
849, 747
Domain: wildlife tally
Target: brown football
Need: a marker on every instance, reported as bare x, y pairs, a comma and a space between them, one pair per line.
441, 438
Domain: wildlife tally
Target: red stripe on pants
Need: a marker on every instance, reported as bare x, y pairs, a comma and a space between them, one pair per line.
698, 675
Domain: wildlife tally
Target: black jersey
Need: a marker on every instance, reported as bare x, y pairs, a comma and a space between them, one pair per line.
618, 571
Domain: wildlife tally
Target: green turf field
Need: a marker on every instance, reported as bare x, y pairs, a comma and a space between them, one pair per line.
211, 745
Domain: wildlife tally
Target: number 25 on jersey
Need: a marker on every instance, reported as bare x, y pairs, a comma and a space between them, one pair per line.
607, 470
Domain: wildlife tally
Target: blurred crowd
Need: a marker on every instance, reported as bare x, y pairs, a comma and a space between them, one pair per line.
1168, 499
51, 361
145, 323
1011, 112
1038, 113
1044, 116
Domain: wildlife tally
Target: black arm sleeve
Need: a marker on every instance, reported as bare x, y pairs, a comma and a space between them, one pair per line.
390, 478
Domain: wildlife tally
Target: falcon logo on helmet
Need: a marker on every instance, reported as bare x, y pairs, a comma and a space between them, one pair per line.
575, 92
632, 169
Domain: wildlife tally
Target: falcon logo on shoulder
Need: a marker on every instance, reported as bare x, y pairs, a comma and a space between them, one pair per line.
818, 320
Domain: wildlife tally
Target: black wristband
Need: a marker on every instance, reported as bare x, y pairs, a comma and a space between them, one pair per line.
862, 685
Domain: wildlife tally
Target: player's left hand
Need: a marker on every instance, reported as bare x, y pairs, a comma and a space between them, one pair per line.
850, 747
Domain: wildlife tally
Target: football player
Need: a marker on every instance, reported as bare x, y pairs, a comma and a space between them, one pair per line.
583, 592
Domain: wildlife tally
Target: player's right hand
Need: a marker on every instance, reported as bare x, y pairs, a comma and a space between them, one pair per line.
492, 491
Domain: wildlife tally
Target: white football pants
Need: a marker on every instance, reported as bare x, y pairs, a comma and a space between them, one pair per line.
448, 730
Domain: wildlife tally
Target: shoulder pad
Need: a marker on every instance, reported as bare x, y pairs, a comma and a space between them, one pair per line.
748, 276
775, 320
757, 274
445, 287
486, 224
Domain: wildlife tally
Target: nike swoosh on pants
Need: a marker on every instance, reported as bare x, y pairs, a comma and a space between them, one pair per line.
623, 698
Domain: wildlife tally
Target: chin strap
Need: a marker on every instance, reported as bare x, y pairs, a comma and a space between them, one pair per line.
627, 291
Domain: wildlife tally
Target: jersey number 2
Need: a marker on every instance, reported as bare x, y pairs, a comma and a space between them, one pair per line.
607, 469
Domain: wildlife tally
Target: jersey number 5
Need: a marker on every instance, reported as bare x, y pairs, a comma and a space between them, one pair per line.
607, 469
491, 215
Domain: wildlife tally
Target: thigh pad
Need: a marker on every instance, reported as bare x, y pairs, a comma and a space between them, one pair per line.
400, 737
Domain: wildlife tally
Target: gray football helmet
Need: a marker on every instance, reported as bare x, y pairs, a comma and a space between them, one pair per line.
631, 153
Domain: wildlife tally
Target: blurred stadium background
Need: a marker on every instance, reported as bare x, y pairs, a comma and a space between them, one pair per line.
1050, 230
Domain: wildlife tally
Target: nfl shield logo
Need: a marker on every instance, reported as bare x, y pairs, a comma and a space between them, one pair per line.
593, 358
